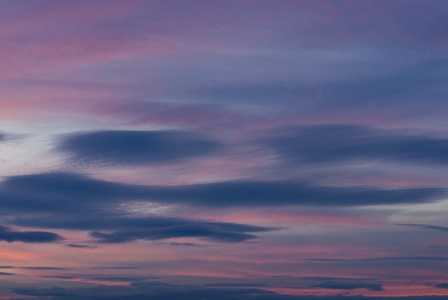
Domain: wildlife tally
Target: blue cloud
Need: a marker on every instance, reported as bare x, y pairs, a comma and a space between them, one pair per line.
135, 147
77, 194
220, 232
349, 285
144, 290
73, 201
340, 143
9, 235
425, 226
442, 285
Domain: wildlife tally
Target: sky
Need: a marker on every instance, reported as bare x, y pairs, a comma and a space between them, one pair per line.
224, 149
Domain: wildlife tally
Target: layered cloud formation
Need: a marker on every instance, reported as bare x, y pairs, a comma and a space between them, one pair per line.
223, 149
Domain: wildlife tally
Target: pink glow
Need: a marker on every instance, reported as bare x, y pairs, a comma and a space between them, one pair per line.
241, 75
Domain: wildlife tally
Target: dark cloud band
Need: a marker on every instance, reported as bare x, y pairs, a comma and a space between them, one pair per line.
135, 147
73, 201
74, 193
338, 143
9, 235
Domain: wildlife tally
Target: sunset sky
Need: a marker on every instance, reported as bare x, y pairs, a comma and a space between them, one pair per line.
223, 149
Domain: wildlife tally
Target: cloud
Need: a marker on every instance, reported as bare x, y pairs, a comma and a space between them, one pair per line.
163, 291
80, 246
116, 227
340, 143
349, 285
135, 147
121, 229
9, 235
442, 285
184, 244
237, 285
220, 232
375, 259
149, 290
60, 192
78, 202
286, 193
72, 194
73, 201
424, 226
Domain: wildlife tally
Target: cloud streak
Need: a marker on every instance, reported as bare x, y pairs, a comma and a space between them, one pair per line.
135, 147
160, 290
341, 143
75, 193
425, 226
349, 285
68, 197
9, 235
217, 232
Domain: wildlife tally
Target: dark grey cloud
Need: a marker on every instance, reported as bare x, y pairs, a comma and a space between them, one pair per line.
284, 193
163, 291
135, 147
9, 235
77, 194
118, 278
377, 259
71, 201
184, 244
110, 227
349, 285
338, 143
237, 285
62, 192
442, 285
80, 246
74, 201
148, 290
425, 226
220, 232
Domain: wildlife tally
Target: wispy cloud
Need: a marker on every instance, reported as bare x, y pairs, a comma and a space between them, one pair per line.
341, 143
349, 285
425, 226
399, 258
